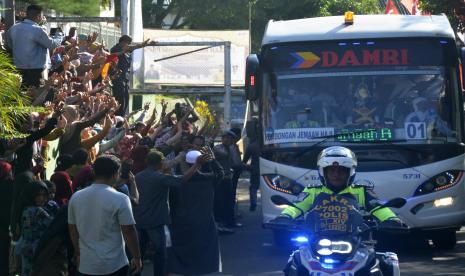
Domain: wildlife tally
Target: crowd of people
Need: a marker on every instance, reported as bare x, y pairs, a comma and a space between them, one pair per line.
121, 184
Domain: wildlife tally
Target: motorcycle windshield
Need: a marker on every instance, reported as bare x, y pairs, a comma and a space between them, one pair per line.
334, 215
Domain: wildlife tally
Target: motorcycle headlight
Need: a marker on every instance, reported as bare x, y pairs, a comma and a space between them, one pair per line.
283, 184
439, 182
326, 247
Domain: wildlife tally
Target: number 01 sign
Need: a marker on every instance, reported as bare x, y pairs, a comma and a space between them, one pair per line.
415, 131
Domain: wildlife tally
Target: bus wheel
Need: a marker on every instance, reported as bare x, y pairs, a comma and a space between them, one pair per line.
444, 239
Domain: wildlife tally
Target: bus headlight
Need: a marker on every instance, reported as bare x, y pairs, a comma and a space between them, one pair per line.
283, 184
439, 182
443, 201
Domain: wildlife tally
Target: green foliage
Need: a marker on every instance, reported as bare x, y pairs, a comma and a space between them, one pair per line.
215, 14
154, 12
14, 104
73, 7
234, 14
264, 10
338, 7
454, 9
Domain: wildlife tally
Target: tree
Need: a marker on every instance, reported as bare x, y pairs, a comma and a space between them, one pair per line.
234, 14
73, 7
454, 9
14, 103
155, 12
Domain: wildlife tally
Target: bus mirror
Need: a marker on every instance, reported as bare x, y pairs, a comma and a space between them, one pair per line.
251, 77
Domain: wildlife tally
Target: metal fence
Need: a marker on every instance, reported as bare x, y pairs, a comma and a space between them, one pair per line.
108, 34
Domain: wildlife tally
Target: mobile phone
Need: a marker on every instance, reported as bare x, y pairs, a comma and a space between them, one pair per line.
125, 169
53, 31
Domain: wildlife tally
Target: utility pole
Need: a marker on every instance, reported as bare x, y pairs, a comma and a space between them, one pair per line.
125, 6
250, 26
227, 85
10, 13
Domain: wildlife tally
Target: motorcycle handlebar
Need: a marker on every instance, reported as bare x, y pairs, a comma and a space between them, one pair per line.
284, 226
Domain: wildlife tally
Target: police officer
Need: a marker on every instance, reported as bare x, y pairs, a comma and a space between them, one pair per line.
336, 167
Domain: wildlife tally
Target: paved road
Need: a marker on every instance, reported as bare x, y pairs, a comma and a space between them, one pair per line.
250, 251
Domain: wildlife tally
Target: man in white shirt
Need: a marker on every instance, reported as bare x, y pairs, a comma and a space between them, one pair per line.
99, 217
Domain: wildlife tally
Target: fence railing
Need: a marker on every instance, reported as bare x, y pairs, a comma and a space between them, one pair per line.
108, 34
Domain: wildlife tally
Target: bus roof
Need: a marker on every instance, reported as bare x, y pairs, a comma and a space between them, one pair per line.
364, 27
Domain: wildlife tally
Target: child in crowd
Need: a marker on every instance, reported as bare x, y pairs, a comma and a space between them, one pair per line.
34, 221
51, 207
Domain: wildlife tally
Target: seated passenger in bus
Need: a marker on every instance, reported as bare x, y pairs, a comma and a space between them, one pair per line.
302, 120
425, 112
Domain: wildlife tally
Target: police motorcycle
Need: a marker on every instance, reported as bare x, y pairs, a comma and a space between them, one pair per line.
340, 239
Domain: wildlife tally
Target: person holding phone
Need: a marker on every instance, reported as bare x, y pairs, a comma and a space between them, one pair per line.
127, 183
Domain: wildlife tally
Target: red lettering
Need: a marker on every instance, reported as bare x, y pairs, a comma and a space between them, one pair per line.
371, 58
404, 56
368, 57
349, 58
329, 58
390, 57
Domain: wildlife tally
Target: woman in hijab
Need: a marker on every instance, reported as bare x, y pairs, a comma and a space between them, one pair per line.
6, 198
64, 187
34, 222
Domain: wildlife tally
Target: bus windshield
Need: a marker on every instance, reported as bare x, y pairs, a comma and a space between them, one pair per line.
367, 91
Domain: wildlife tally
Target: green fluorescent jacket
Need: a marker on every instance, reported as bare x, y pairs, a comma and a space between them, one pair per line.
362, 194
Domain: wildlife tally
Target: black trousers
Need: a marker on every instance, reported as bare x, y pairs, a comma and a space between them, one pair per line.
4, 254
121, 272
223, 202
253, 189
157, 237
31, 77
235, 180
121, 94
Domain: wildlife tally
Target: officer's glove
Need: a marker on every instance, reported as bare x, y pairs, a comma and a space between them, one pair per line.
282, 219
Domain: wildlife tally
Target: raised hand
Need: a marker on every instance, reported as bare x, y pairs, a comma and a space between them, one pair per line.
145, 43
147, 106
202, 159
164, 104
93, 37
62, 122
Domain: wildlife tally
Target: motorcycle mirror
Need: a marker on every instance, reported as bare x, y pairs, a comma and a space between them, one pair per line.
395, 202
280, 200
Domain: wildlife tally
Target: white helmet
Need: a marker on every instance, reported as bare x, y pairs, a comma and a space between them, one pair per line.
337, 156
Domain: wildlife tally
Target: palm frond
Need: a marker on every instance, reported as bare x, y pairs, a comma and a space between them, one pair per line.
14, 102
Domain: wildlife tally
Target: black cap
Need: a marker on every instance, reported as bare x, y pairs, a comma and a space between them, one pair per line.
229, 133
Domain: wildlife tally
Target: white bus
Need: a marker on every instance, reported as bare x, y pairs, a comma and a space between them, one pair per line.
386, 86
